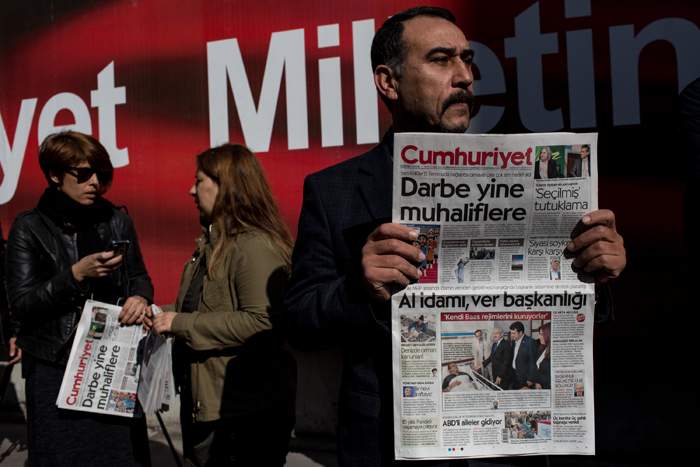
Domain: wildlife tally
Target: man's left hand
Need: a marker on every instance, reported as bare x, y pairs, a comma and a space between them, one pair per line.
597, 248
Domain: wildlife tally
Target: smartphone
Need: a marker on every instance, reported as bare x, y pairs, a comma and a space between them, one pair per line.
119, 247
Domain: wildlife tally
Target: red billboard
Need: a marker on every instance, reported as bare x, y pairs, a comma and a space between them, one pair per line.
159, 81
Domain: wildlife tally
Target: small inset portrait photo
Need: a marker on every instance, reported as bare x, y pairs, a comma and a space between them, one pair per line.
98, 323
555, 268
578, 161
578, 390
517, 262
409, 391
548, 162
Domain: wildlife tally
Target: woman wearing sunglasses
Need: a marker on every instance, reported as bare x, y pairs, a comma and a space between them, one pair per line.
237, 386
58, 255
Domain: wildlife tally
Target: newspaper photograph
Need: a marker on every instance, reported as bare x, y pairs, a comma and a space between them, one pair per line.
492, 348
103, 369
499, 374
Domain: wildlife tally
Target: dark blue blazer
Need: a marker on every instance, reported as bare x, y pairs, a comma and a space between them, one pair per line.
327, 305
525, 363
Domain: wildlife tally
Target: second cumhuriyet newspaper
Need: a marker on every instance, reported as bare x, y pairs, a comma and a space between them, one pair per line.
492, 348
102, 375
115, 369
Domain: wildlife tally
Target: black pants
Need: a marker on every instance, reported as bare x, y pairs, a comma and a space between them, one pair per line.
58, 437
259, 440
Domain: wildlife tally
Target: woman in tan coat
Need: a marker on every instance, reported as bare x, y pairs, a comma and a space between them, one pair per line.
237, 385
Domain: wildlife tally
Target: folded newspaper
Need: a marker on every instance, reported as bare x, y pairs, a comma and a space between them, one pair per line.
492, 348
156, 388
112, 367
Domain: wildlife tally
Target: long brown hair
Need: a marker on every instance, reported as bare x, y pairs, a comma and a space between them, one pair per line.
244, 201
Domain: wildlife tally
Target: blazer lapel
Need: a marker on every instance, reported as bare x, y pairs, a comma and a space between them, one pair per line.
375, 179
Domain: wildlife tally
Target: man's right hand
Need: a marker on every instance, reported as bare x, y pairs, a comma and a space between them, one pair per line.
389, 259
96, 265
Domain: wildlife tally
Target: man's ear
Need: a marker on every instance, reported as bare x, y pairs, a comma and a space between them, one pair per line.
386, 82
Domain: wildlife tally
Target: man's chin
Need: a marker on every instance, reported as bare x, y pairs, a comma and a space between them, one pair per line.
455, 120
455, 126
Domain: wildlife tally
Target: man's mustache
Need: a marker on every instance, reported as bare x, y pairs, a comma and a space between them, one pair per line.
460, 97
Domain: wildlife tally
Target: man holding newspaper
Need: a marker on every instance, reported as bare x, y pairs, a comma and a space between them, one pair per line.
349, 259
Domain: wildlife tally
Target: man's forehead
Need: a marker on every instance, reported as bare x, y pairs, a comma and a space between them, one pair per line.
424, 33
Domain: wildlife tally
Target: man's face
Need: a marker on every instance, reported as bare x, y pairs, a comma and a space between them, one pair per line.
434, 85
585, 153
555, 265
452, 369
515, 334
496, 336
478, 335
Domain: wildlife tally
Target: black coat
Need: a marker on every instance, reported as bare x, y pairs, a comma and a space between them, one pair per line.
543, 375
326, 304
525, 367
44, 298
552, 169
501, 360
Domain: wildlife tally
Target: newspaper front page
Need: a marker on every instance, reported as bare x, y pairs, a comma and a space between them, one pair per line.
103, 369
492, 348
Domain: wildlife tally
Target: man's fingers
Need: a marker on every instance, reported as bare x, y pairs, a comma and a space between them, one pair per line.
598, 233
599, 248
390, 261
387, 276
397, 231
607, 265
600, 217
394, 247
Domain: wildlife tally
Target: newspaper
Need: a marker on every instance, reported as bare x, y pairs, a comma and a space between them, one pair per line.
156, 389
102, 374
492, 348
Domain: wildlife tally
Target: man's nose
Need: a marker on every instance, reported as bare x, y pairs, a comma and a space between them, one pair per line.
463, 76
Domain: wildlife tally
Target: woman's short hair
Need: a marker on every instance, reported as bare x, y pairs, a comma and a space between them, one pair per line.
61, 151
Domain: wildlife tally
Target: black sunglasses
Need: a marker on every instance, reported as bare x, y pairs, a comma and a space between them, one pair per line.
83, 174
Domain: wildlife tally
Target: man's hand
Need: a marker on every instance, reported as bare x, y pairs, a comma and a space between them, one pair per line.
388, 260
96, 265
14, 351
597, 247
163, 322
134, 310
